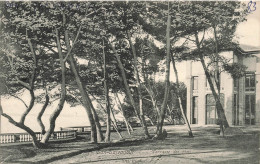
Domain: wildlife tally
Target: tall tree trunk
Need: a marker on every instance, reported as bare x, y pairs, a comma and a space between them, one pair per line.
59, 108
220, 110
146, 133
108, 131
217, 73
179, 98
167, 77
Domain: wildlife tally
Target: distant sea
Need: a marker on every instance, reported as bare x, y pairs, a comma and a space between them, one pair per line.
62, 121
70, 116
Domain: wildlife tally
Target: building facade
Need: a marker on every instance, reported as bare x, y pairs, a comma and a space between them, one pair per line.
240, 98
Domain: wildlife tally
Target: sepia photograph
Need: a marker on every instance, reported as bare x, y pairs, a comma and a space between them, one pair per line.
127, 81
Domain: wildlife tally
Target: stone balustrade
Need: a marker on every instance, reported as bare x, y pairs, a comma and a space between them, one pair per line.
25, 137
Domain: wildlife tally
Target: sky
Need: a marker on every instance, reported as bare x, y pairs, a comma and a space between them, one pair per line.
248, 33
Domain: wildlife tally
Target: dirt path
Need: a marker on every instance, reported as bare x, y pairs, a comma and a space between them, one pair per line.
205, 147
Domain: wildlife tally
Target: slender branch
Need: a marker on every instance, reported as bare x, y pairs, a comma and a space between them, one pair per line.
54, 100
77, 35
26, 112
19, 99
75, 40
128, 125
16, 96
50, 47
112, 120
147, 99
173, 38
202, 37
11, 63
98, 102
187, 38
27, 86
75, 97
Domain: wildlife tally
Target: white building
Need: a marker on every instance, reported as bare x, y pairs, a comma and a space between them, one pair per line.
240, 98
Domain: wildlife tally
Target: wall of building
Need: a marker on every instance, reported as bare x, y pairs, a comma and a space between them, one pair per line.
227, 88
188, 85
257, 75
253, 65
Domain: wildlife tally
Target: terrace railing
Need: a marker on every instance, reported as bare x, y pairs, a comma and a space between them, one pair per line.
25, 137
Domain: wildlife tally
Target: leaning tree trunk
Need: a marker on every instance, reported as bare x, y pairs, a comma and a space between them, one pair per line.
179, 98
217, 73
96, 134
220, 110
141, 112
59, 108
127, 89
150, 91
167, 77
127, 124
115, 124
152, 96
148, 88
84, 100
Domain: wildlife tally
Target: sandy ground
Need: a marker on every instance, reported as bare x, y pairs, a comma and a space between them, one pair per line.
240, 146
205, 147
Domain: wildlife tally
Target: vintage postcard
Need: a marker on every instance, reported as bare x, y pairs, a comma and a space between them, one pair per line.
129, 81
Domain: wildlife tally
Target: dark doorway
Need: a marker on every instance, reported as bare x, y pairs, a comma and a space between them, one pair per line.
235, 117
194, 110
250, 110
